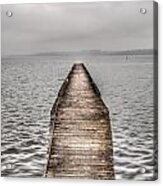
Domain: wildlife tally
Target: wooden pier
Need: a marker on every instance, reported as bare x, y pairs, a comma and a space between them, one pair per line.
81, 137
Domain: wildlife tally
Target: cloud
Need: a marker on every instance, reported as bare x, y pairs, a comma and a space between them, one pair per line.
37, 28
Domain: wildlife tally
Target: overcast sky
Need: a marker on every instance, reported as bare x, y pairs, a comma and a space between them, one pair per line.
36, 28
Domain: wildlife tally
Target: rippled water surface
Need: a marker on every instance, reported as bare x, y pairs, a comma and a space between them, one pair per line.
30, 86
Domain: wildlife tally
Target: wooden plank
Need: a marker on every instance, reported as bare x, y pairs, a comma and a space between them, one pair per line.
81, 137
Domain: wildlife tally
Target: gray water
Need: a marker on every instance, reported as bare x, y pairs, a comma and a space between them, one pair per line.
30, 86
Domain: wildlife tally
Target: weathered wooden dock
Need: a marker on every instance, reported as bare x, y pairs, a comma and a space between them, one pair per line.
81, 137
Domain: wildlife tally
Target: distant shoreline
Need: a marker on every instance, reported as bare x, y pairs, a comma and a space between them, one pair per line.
91, 52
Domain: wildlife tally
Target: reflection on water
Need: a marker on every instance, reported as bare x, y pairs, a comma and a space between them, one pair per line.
29, 89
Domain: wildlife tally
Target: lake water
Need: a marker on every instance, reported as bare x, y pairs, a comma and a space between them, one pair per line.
29, 87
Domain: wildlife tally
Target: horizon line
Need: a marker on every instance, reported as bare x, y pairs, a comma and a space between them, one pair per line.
74, 51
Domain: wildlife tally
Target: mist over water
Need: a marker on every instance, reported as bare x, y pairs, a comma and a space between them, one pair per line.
29, 88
